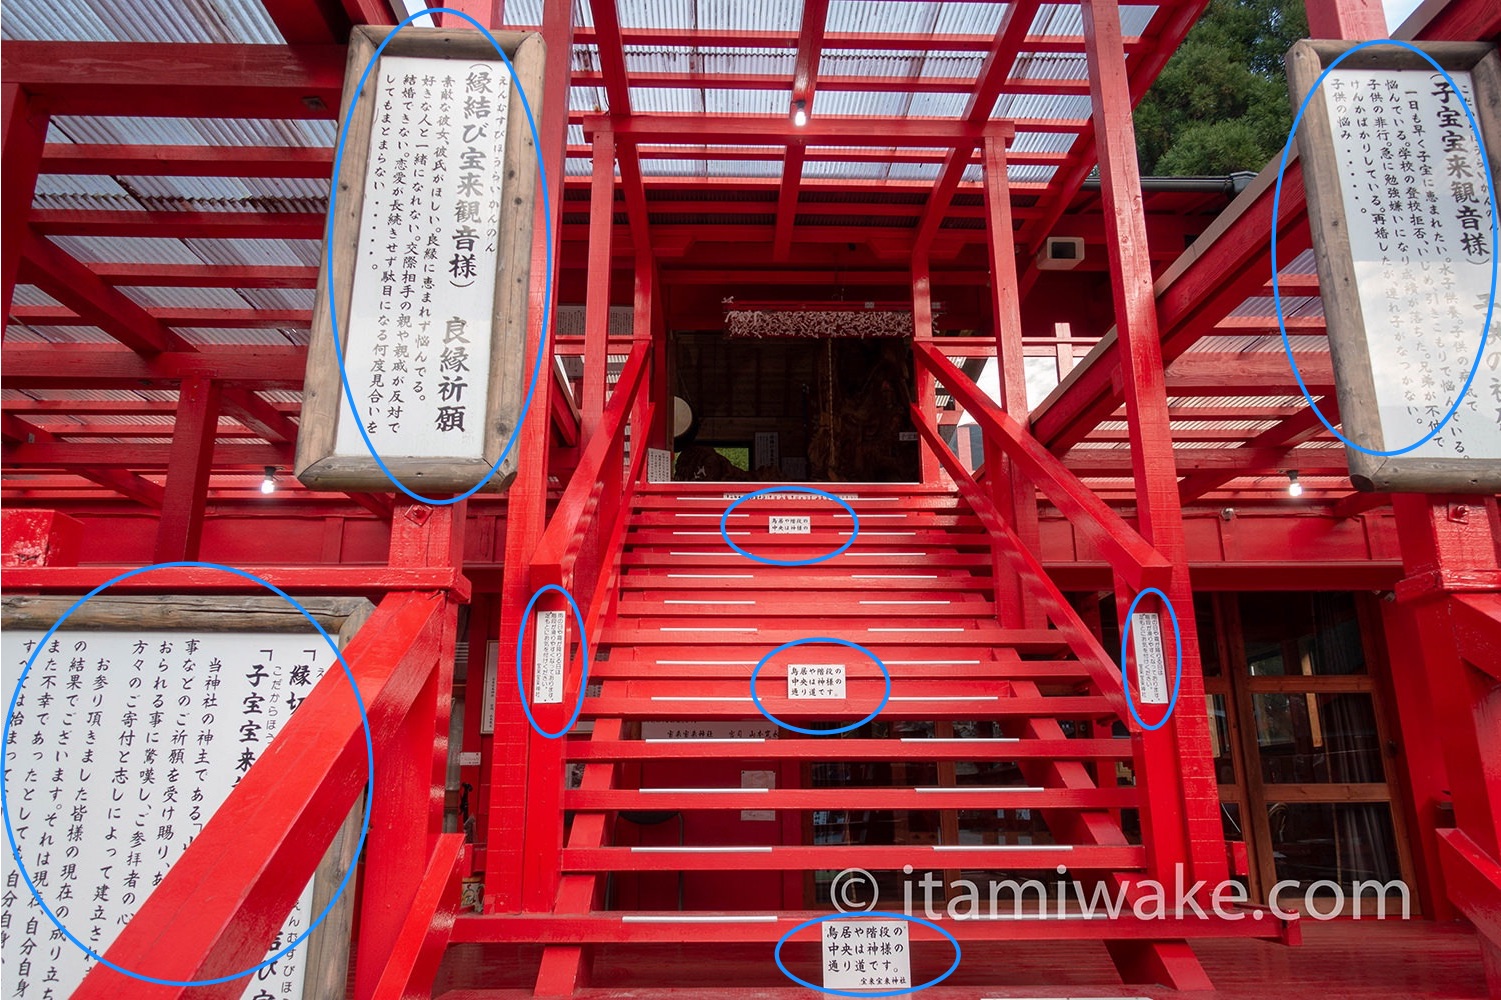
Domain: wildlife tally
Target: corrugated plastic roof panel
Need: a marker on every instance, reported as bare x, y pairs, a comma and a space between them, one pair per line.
141, 21
197, 131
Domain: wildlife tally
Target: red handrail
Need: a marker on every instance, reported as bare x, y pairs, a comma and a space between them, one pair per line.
1129, 554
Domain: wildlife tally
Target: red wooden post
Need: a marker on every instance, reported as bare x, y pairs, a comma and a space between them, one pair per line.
1448, 549
25, 134
922, 329
181, 525
521, 762
406, 808
1010, 490
1182, 806
1354, 20
597, 298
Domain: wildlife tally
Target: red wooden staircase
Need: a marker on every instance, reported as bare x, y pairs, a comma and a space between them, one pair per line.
671, 724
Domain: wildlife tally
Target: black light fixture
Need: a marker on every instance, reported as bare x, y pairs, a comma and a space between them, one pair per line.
800, 113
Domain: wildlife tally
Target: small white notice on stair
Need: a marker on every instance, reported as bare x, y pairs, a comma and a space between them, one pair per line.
815, 680
1151, 667
547, 658
866, 955
789, 524
658, 465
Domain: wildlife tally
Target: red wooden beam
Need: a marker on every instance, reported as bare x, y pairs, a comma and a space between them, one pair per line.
875, 41
127, 484
611, 49
138, 456
839, 130
359, 581
191, 455
845, 83
1355, 504
188, 161
998, 64
413, 962
597, 296
179, 80
89, 366
25, 132
205, 275
309, 21
804, 74
180, 225
1287, 434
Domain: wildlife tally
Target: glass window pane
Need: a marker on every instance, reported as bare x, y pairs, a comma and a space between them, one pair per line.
1342, 842
1318, 738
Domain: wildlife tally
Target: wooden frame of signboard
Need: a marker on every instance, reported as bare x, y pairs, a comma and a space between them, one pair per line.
323, 402
326, 961
1354, 376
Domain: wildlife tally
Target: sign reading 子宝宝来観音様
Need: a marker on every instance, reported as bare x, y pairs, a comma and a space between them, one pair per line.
1402, 215
415, 369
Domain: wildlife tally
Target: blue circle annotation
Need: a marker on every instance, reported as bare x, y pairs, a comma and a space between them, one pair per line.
724, 521
821, 732
777, 954
370, 777
526, 705
1495, 241
1172, 702
333, 312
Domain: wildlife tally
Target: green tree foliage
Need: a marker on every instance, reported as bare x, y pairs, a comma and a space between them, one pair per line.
1220, 104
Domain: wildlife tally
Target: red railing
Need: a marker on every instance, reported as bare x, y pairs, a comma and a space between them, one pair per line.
1129, 554
578, 549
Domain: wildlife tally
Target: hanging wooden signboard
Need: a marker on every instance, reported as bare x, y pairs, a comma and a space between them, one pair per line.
1401, 218
430, 267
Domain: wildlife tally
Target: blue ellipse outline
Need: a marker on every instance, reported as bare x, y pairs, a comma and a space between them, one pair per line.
1172, 702
1495, 250
821, 732
724, 520
370, 775
777, 954
328, 240
526, 706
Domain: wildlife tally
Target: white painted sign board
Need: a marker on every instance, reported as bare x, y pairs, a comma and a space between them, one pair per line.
789, 524
658, 465
1151, 665
1401, 215
767, 452
758, 779
866, 954
548, 657
815, 680
487, 703
123, 746
710, 729
420, 319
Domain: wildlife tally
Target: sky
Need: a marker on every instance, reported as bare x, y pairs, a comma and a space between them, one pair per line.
1397, 11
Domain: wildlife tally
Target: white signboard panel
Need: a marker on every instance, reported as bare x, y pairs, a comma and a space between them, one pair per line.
815, 680
866, 954
547, 657
767, 451
487, 704
658, 465
789, 524
1418, 215
1151, 665
123, 744
419, 329
711, 729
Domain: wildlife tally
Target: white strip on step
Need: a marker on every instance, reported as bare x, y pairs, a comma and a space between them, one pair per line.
909, 534
706, 628
893, 576
700, 850
975, 788
1003, 847
715, 602
703, 791
708, 739
907, 602
679, 697
681, 514
711, 576
938, 697
935, 663
697, 918
716, 554
908, 628
705, 663
675, 532
961, 739
871, 514
877, 554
